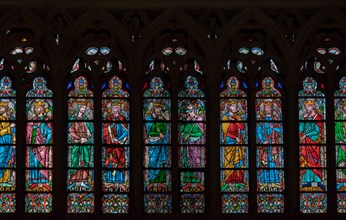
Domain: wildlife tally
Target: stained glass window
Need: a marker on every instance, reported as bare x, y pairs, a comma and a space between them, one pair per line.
192, 145
80, 139
157, 150
7, 146
340, 142
115, 148
39, 149
234, 152
249, 142
251, 134
269, 148
312, 148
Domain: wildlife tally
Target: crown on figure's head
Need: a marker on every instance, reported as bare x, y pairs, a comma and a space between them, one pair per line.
158, 104
116, 103
309, 102
2, 103
39, 103
268, 103
232, 101
81, 102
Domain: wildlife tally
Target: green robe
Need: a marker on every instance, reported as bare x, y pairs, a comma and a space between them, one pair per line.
81, 155
340, 129
190, 157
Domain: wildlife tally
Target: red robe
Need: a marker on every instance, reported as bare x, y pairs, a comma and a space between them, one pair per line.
311, 154
117, 158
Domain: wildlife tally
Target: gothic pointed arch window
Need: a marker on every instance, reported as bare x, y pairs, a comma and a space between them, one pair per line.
39, 147
316, 175
270, 148
241, 115
191, 140
252, 147
115, 145
312, 140
174, 101
340, 139
234, 151
157, 149
334, 51
80, 139
313, 183
192, 144
322, 76
25, 59
98, 144
8, 141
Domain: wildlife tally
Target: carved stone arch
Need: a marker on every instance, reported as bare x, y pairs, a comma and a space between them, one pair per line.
127, 19
136, 22
202, 52
58, 21
290, 22
212, 21
22, 17
255, 19
327, 19
24, 23
98, 21
319, 20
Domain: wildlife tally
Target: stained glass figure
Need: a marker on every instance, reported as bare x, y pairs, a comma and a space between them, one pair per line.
80, 139
268, 89
7, 146
157, 153
192, 139
269, 150
233, 148
115, 88
39, 89
232, 89
191, 88
80, 88
310, 88
116, 140
39, 151
156, 89
340, 142
312, 136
